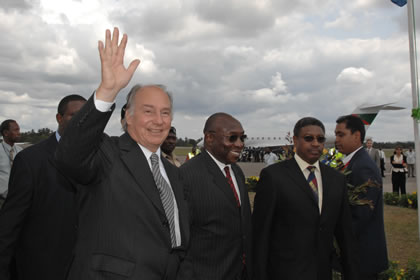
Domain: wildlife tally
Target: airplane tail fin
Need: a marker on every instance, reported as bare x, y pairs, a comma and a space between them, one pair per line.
368, 113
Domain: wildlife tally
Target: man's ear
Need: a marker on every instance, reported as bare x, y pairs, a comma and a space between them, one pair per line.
294, 140
358, 137
59, 118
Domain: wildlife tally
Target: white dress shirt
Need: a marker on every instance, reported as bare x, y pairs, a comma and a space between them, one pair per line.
222, 166
303, 165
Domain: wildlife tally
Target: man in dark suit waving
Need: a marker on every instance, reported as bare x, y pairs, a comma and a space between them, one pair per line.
220, 246
368, 223
39, 219
133, 221
299, 207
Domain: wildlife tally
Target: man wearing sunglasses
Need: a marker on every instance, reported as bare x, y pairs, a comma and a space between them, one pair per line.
368, 223
220, 212
300, 206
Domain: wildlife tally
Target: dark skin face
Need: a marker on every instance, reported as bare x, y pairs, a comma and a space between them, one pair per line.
12, 135
217, 140
168, 146
309, 151
71, 109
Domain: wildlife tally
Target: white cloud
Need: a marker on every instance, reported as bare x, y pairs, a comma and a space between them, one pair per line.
354, 75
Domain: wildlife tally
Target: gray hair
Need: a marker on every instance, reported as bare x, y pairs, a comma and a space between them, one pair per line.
134, 90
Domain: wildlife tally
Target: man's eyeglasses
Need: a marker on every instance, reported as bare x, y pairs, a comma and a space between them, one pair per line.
234, 138
310, 138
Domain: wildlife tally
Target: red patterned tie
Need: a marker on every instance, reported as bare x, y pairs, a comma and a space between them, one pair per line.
232, 186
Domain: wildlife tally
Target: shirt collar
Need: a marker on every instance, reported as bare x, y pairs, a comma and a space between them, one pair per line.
303, 164
350, 156
57, 136
220, 164
147, 153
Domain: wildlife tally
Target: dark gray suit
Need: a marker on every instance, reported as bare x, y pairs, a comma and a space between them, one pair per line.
123, 232
292, 240
220, 231
375, 156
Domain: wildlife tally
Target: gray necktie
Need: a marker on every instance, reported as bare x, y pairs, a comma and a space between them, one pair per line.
166, 195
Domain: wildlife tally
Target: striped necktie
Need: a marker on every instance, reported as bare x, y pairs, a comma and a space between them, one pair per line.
166, 196
312, 180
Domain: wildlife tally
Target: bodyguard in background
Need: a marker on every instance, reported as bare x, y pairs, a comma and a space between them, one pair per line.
10, 131
368, 223
38, 222
300, 206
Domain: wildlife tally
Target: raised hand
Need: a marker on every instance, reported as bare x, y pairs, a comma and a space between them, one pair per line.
114, 75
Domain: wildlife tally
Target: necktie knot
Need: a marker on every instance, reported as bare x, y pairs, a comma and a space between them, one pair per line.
154, 159
311, 168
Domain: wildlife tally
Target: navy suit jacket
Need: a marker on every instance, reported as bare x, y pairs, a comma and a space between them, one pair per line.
39, 218
368, 223
292, 239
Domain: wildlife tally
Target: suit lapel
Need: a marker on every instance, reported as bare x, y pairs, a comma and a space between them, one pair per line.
137, 164
326, 184
297, 176
219, 179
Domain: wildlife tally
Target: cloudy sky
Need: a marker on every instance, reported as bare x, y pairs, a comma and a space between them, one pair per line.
268, 63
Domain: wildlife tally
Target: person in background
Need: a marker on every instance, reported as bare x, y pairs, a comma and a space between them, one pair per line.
399, 168
38, 223
168, 147
269, 157
382, 156
368, 222
193, 153
411, 161
373, 153
10, 131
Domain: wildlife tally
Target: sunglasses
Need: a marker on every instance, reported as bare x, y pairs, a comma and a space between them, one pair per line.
310, 138
234, 138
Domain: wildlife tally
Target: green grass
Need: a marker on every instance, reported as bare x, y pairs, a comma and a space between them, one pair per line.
401, 228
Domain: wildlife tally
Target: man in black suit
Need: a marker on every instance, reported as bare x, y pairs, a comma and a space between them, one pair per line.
133, 221
368, 224
299, 207
220, 246
39, 219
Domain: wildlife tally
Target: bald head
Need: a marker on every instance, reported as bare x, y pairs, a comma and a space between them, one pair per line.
216, 121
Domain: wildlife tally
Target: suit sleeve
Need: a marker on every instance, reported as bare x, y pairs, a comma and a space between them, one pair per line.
78, 153
262, 219
345, 238
362, 215
14, 212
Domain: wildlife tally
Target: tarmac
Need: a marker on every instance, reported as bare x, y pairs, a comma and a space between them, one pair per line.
254, 169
